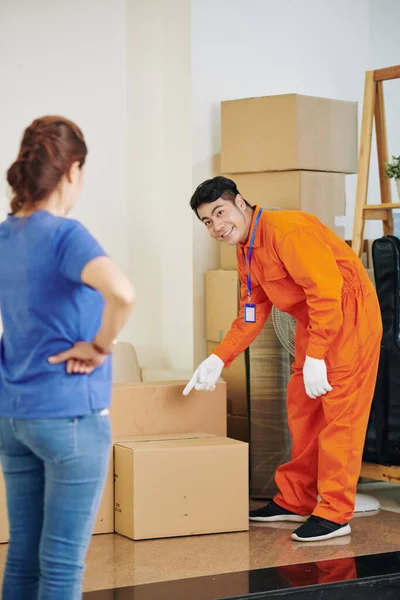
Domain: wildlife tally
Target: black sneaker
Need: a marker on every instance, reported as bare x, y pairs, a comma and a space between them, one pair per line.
273, 512
317, 529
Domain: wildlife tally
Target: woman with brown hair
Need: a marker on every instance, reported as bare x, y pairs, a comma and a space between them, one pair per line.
63, 302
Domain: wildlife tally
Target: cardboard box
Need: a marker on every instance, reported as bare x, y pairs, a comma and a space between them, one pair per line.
160, 408
235, 378
105, 516
153, 408
321, 194
169, 486
239, 428
289, 132
4, 530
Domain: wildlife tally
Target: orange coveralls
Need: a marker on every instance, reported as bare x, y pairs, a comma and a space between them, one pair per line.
304, 269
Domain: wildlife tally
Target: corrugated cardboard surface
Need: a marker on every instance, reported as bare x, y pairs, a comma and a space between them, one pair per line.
321, 194
221, 303
160, 408
326, 134
269, 433
238, 428
258, 134
165, 487
277, 190
235, 378
289, 132
4, 530
324, 195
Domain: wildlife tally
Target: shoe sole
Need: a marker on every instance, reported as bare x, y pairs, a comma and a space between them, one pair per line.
320, 538
280, 518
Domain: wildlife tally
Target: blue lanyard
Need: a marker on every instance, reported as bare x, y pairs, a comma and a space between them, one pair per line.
251, 254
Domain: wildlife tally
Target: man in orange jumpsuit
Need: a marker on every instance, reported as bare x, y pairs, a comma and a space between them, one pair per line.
291, 260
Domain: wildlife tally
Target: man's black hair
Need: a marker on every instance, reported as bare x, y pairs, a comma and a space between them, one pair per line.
212, 189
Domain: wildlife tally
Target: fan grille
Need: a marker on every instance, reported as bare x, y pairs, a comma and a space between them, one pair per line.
285, 328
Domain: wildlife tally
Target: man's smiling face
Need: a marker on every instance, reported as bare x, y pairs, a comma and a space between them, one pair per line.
226, 220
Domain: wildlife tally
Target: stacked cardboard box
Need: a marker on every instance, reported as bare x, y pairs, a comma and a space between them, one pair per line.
287, 152
291, 152
164, 485
176, 485
157, 408
166, 476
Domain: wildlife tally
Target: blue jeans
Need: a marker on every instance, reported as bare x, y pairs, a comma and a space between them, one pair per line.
54, 471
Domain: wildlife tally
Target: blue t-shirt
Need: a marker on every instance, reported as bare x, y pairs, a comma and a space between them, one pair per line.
46, 309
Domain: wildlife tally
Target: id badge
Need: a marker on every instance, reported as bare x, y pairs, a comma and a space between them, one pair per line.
249, 313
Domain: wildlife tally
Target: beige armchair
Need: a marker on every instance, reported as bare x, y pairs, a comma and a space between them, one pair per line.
127, 369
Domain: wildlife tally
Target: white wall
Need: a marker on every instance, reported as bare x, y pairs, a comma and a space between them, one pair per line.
69, 58
161, 233
121, 70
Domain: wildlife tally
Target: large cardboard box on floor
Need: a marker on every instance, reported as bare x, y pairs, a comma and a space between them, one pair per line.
178, 485
160, 408
321, 194
152, 408
288, 132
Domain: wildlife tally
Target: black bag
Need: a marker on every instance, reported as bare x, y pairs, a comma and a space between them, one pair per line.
382, 443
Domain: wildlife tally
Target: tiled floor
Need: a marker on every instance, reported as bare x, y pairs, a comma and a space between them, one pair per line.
371, 577
115, 562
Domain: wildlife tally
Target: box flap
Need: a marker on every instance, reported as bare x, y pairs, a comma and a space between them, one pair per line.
161, 437
146, 443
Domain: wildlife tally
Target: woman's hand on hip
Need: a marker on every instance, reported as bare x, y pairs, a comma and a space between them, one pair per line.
82, 358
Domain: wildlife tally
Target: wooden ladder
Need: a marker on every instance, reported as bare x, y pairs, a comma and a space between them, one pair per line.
373, 106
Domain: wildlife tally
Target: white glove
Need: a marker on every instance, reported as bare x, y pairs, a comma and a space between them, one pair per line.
315, 377
206, 375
